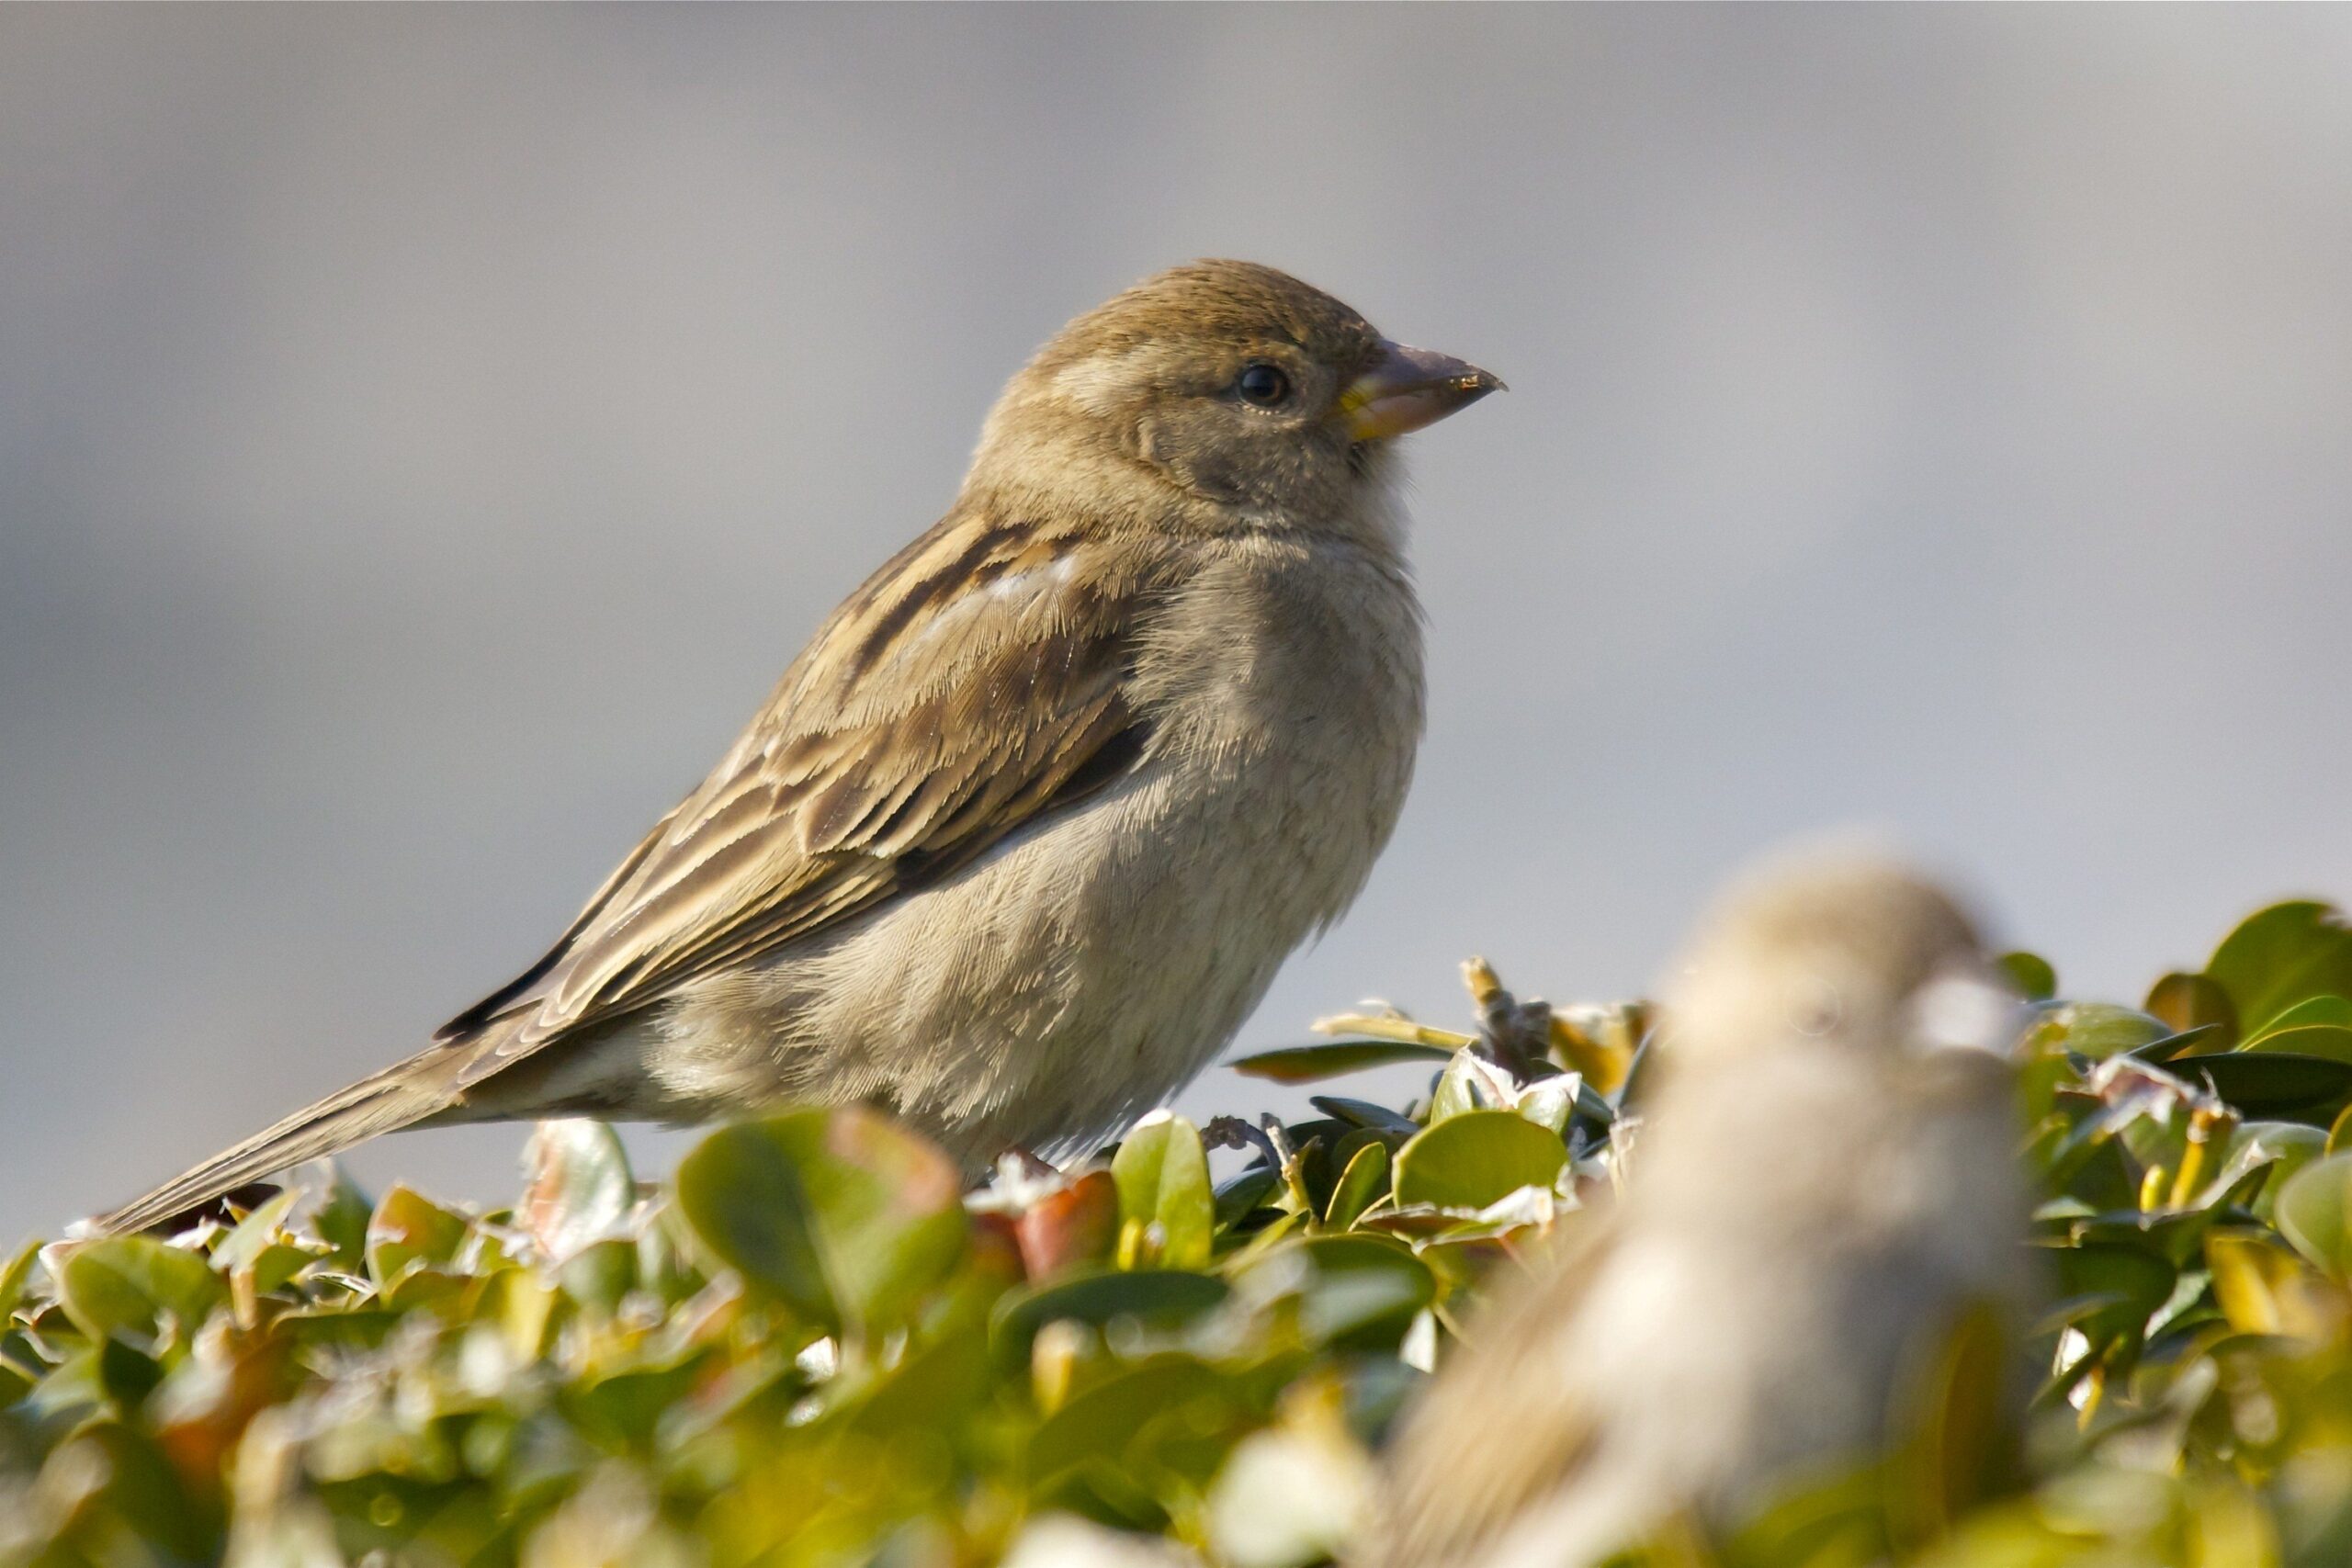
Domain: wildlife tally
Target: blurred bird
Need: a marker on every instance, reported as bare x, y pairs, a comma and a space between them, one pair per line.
1026, 830
1823, 1199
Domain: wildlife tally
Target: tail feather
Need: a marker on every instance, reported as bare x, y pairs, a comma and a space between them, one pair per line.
398, 1097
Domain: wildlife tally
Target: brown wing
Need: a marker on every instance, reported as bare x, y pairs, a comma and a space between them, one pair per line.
978, 680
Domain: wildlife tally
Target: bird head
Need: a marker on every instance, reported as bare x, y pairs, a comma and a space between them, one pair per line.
1840, 953
1226, 384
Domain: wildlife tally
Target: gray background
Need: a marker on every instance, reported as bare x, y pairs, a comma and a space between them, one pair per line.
425, 435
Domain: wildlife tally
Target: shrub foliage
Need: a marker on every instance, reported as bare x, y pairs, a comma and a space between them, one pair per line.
812, 1347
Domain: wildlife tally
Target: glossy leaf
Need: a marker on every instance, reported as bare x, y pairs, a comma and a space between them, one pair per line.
1167, 1208
1362, 1291
1363, 1183
578, 1187
1365, 1115
134, 1285
1306, 1064
2276, 1084
409, 1231
2314, 1211
2030, 972
2283, 956
2333, 1041
2332, 1009
841, 1213
2194, 1001
2098, 1028
1074, 1224
1160, 1299
1477, 1159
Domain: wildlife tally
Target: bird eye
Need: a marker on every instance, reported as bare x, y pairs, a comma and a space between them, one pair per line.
1262, 384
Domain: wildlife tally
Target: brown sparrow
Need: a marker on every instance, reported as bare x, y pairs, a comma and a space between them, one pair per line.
1024, 832
1826, 1194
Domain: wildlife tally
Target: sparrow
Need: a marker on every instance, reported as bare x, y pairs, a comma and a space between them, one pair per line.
1826, 1198
1025, 831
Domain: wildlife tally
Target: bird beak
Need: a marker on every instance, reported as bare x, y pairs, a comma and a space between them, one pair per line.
1408, 389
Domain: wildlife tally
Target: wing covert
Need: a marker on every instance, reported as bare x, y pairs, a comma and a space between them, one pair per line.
978, 681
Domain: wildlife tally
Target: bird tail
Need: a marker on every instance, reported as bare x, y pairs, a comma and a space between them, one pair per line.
398, 1097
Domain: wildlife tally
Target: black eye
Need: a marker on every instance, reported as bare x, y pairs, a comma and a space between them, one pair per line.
1262, 384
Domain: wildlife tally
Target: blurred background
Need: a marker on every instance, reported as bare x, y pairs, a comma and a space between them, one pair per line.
426, 434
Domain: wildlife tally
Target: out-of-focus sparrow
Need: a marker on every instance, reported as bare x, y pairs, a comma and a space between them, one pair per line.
1825, 1200
1024, 832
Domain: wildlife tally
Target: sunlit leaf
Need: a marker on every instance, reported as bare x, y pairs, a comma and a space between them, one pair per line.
2333, 1041
2283, 956
577, 1185
2314, 1211
1476, 1158
134, 1284
1076, 1224
2188, 1001
1361, 1185
2332, 1009
1167, 1209
2261, 1287
841, 1213
2097, 1029
409, 1231
1306, 1064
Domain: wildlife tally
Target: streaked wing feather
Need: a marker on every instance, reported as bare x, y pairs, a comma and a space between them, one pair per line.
899, 747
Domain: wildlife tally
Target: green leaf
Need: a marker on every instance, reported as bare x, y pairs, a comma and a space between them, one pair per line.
2030, 972
1470, 1083
2314, 1009
1306, 1064
599, 1274
843, 1213
1360, 1291
1363, 1183
2333, 1041
1160, 1299
2097, 1029
2275, 1084
1365, 1115
2314, 1211
579, 1189
409, 1231
1106, 1422
2285, 1147
2283, 956
256, 1234
1476, 1158
14, 1275
2194, 1001
342, 1218
106, 1376
2202, 1041
1240, 1196
129, 1284
2112, 1288
1167, 1208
